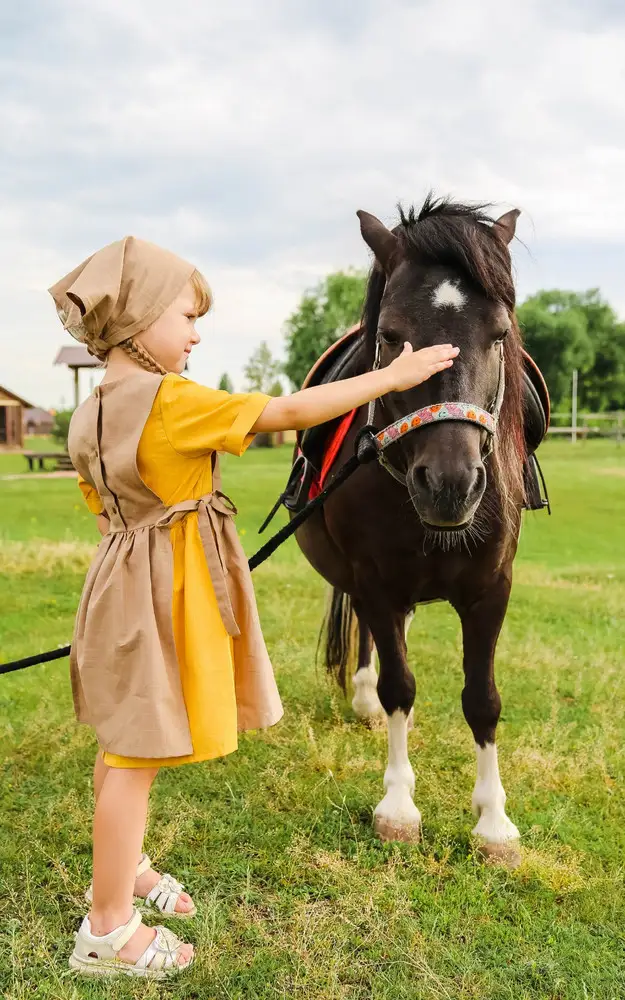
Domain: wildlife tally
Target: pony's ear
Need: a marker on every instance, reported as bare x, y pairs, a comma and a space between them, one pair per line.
506, 224
380, 239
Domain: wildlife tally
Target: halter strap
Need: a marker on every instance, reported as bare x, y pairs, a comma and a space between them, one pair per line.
436, 413
470, 413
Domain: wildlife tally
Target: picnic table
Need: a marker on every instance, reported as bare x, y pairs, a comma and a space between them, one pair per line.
62, 459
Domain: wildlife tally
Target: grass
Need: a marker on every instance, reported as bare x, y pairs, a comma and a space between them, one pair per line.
297, 898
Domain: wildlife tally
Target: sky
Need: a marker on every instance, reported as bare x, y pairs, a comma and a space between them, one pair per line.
244, 136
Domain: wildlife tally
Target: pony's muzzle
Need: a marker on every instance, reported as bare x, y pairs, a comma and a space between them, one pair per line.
447, 498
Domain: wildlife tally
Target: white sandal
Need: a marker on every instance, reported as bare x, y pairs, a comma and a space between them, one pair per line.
97, 956
162, 897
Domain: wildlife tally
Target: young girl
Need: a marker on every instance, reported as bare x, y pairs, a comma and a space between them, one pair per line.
168, 660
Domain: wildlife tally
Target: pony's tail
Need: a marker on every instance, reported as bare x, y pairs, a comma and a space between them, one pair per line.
339, 629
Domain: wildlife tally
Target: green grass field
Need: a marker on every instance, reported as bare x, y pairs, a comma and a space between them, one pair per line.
297, 899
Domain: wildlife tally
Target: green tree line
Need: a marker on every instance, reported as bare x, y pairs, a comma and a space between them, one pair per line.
562, 331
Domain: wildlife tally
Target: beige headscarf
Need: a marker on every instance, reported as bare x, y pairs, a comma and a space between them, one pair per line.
118, 292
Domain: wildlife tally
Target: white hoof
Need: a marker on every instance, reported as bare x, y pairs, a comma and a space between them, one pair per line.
495, 828
497, 836
498, 840
505, 855
397, 818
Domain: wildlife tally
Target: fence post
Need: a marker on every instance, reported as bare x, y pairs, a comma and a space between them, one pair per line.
574, 407
619, 427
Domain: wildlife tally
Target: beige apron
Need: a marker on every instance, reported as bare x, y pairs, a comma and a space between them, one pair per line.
124, 671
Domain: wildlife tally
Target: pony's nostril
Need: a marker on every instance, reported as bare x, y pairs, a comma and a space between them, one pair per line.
421, 477
479, 481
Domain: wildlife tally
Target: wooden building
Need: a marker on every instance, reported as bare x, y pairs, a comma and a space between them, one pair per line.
37, 421
12, 409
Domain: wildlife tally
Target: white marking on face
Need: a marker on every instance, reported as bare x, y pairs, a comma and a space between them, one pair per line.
448, 294
489, 799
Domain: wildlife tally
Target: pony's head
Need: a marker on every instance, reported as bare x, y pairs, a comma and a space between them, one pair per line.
442, 276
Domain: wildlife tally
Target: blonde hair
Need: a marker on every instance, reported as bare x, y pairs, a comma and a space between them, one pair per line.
138, 353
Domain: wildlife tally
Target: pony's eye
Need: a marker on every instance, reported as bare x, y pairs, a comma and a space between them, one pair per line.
390, 337
502, 336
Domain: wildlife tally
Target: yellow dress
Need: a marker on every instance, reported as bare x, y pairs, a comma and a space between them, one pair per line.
187, 423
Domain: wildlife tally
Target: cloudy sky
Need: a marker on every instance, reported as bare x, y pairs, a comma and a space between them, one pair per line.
244, 136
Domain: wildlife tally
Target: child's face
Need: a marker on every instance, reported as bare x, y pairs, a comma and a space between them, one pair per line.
171, 338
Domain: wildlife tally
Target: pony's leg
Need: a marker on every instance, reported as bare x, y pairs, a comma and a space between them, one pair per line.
366, 703
481, 623
396, 817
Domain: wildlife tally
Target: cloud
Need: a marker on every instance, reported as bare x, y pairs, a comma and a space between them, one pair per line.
245, 137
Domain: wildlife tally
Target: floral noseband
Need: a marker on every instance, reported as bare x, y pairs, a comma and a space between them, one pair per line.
467, 412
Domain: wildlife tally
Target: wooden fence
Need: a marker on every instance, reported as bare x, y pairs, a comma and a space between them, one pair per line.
595, 425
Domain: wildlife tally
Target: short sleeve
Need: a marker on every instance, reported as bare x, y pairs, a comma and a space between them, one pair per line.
91, 495
199, 420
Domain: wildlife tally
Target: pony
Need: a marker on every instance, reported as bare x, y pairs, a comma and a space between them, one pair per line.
439, 517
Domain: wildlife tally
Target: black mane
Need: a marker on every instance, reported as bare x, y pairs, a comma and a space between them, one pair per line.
462, 237
444, 232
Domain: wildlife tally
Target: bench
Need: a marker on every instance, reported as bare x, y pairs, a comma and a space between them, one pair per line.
36, 459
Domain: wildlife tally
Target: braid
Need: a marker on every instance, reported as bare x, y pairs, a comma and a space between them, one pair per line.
139, 354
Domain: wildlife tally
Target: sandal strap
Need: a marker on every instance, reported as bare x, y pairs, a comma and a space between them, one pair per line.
123, 934
165, 894
143, 865
162, 952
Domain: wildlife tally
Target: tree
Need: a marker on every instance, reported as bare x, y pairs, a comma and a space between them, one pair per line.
60, 427
262, 371
557, 338
603, 387
324, 314
566, 330
277, 389
225, 383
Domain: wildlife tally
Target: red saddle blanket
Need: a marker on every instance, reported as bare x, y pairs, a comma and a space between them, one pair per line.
333, 446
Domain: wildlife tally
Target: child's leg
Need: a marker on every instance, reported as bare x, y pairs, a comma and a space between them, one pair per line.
100, 771
146, 882
118, 831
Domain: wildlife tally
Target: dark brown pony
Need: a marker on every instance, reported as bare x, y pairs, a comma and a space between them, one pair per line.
447, 527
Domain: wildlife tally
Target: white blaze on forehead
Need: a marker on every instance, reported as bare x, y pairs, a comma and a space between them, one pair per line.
448, 294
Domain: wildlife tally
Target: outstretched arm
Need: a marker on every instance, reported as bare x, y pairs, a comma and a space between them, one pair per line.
313, 406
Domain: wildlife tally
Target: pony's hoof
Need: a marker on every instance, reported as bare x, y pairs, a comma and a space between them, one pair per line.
388, 829
366, 706
505, 855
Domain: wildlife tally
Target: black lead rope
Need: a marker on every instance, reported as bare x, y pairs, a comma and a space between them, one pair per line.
31, 661
366, 449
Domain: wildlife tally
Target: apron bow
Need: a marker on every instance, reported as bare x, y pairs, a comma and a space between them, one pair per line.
211, 509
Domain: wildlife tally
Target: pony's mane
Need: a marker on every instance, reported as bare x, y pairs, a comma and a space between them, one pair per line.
466, 238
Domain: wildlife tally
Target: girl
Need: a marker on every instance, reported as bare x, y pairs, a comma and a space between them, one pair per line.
168, 660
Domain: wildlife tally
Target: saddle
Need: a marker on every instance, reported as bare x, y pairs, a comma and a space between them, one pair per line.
318, 446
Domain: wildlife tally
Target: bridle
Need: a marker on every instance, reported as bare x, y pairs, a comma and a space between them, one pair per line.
457, 411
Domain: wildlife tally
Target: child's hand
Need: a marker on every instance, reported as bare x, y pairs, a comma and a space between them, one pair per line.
413, 367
